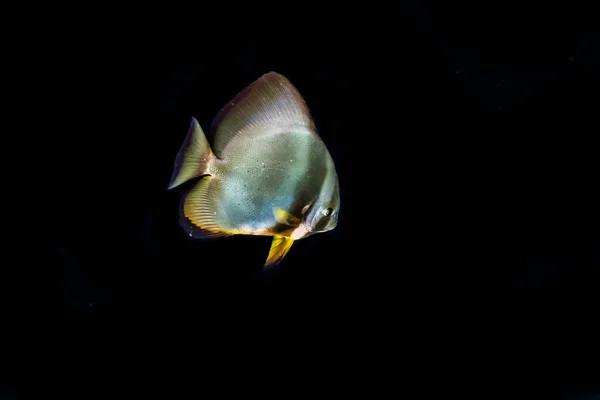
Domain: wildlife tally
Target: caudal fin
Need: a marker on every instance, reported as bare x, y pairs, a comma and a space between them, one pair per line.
193, 156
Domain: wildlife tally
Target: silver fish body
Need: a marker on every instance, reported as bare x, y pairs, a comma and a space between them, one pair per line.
267, 173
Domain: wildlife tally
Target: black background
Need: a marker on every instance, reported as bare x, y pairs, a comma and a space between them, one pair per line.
467, 251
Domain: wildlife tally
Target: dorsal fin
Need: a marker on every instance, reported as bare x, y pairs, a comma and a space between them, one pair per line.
269, 102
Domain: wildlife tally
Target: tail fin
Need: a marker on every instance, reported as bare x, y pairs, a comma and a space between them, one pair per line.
193, 157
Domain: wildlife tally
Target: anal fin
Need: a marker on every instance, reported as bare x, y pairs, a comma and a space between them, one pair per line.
279, 248
198, 214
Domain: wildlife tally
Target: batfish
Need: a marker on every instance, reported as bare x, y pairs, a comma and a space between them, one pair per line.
267, 171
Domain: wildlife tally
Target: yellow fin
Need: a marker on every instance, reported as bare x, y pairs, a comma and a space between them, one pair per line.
199, 218
279, 248
284, 217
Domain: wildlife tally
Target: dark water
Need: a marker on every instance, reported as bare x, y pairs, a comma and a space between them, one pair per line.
467, 251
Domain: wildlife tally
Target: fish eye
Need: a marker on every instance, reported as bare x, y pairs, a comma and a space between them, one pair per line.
327, 212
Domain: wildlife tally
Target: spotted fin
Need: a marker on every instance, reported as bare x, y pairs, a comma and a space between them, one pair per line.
193, 156
285, 218
198, 211
279, 248
269, 102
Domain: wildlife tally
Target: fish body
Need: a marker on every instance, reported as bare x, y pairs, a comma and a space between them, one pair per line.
267, 172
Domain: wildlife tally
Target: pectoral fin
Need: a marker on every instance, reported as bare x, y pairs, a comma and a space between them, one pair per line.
279, 248
285, 218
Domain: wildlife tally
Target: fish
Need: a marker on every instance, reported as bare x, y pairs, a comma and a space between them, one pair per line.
266, 172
